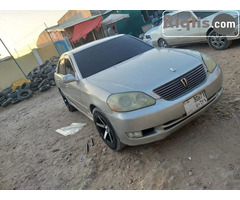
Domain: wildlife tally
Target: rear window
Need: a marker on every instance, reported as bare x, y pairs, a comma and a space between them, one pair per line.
107, 54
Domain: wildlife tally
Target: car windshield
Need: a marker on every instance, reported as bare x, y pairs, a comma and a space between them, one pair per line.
107, 54
157, 22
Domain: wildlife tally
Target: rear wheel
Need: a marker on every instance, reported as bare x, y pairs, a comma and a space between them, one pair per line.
106, 130
68, 105
218, 41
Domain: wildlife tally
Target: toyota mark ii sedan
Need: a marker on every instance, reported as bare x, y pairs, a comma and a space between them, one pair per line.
135, 93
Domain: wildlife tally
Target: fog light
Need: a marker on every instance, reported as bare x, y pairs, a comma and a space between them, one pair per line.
135, 135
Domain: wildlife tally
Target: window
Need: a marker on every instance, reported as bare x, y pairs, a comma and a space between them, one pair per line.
109, 53
170, 20
69, 68
61, 67
185, 16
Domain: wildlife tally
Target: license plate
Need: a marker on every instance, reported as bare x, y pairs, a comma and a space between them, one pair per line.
196, 102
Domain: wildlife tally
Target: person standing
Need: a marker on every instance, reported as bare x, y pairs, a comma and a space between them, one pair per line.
112, 31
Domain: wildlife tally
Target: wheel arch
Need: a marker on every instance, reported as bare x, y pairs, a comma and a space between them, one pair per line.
209, 30
91, 107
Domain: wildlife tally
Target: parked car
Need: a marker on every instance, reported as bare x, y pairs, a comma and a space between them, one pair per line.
165, 36
135, 93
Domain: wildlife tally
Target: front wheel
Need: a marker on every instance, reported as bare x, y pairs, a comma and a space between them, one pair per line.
162, 43
218, 41
106, 130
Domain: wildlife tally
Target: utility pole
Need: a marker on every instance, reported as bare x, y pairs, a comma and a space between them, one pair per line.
16, 52
50, 37
13, 59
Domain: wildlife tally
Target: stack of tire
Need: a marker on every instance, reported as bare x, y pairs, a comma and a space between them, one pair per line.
42, 79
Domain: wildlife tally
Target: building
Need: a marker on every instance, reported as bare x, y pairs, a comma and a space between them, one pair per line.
139, 21
74, 28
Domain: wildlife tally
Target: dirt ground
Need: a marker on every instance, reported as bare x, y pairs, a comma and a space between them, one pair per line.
204, 154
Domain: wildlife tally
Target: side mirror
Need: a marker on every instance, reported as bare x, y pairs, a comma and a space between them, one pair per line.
68, 78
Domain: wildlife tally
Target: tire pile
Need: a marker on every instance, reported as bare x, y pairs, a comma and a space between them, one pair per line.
42, 79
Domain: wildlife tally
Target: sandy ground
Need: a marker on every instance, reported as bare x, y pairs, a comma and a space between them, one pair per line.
202, 155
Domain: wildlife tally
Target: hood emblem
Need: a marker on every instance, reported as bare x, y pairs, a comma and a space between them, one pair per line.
184, 82
172, 69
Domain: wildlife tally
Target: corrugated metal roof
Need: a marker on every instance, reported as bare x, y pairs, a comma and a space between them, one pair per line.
69, 23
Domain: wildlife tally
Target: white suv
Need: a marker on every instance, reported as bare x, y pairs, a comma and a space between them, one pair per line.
165, 36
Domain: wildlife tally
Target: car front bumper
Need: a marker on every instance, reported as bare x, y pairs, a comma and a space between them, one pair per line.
165, 117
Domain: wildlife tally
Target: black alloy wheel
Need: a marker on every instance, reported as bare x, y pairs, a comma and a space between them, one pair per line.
106, 130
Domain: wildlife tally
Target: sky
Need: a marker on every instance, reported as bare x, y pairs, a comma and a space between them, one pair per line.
19, 29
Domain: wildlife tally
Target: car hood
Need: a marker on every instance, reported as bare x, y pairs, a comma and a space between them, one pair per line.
151, 30
146, 71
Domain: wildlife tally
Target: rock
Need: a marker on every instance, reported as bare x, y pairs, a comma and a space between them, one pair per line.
190, 158
190, 173
171, 179
55, 150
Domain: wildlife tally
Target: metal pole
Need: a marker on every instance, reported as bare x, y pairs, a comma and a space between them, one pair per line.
51, 38
13, 58
16, 52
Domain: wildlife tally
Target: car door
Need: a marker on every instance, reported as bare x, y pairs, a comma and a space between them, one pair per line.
58, 76
191, 34
75, 89
170, 33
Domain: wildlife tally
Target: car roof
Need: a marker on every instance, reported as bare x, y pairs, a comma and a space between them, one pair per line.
90, 44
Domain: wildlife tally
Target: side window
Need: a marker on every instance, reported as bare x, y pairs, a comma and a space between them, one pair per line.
185, 16
69, 68
170, 21
61, 67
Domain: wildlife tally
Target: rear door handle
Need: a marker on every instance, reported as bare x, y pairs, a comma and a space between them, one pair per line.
179, 29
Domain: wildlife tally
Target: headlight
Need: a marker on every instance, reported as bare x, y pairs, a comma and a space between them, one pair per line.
129, 101
148, 37
209, 62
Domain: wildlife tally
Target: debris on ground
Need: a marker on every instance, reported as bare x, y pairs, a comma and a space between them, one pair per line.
70, 130
92, 142
87, 148
81, 159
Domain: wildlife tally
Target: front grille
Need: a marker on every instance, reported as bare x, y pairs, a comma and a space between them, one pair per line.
176, 88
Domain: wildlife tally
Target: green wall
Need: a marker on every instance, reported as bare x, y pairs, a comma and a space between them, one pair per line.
131, 25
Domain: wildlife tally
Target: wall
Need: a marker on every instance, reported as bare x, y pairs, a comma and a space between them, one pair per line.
9, 71
47, 52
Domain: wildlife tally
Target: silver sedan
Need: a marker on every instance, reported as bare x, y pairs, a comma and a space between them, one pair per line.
134, 93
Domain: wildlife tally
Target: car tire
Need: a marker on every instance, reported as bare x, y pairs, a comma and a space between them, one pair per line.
68, 105
7, 102
44, 82
2, 99
12, 94
44, 88
106, 130
219, 42
162, 43
24, 94
14, 101
25, 86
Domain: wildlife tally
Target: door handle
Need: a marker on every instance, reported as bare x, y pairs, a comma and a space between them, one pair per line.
179, 29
